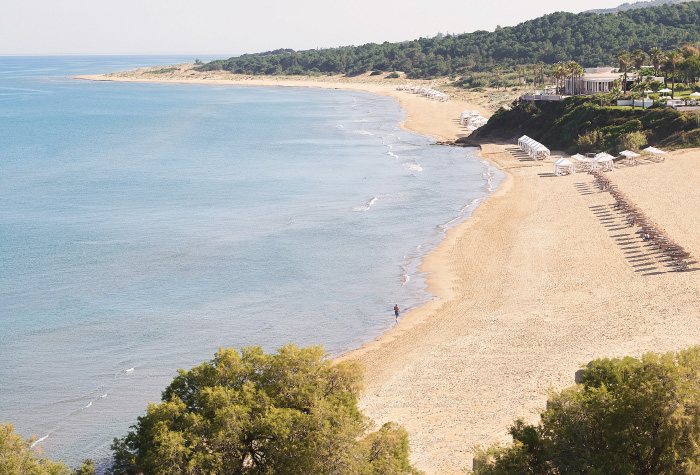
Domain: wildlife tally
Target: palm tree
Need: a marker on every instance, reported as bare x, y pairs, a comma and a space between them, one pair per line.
656, 56
559, 73
540, 71
521, 74
574, 69
638, 57
673, 57
624, 58
634, 96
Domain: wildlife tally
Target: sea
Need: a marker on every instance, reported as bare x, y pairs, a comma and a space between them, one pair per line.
145, 226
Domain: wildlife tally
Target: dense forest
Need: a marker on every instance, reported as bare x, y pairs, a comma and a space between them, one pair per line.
590, 39
635, 5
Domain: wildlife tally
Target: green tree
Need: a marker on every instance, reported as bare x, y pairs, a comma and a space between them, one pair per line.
574, 69
256, 414
624, 58
638, 57
18, 458
656, 56
673, 57
627, 416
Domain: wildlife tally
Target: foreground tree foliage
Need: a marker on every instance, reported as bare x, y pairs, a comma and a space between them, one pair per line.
18, 458
627, 416
293, 412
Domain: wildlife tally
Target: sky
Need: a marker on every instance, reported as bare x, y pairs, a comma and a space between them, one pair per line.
230, 27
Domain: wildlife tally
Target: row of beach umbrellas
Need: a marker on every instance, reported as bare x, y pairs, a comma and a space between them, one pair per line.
651, 233
425, 91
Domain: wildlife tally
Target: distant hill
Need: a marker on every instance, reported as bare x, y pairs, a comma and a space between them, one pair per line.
591, 39
635, 5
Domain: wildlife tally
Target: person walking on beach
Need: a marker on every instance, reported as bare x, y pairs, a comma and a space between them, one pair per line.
396, 312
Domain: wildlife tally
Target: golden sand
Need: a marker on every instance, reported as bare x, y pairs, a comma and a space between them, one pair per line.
543, 278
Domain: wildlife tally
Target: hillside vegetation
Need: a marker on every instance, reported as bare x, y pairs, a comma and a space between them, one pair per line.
591, 39
635, 5
580, 124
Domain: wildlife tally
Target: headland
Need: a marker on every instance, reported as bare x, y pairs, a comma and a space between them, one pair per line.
543, 278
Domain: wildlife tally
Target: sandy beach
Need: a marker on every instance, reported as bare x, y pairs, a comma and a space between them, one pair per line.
543, 278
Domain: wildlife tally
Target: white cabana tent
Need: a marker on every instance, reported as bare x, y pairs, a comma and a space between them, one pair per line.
521, 141
629, 153
664, 90
630, 156
562, 166
540, 152
582, 160
604, 160
655, 153
535, 149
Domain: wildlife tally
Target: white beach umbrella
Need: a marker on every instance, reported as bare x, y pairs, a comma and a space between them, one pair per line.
665, 90
629, 154
695, 94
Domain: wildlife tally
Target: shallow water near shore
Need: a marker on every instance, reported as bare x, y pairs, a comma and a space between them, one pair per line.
143, 226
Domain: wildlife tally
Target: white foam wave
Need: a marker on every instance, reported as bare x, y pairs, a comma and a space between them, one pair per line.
367, 206
39, 441
466, 209
364, 132
406, 277
103, 396
389, 145
392, 154
413, 166
339, 126
360, 120
88, 405
129, 371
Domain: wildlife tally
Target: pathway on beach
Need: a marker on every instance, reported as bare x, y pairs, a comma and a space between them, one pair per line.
544, 278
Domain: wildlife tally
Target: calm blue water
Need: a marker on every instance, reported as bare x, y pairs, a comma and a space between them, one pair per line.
144, 226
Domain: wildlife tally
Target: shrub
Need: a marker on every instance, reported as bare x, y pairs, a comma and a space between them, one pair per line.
589, 140
632, 141
393, 75
627, 416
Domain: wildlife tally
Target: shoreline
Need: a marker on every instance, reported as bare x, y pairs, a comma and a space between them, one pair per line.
432, 261
542, 278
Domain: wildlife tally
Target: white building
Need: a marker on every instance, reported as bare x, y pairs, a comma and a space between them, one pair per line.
599, 80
